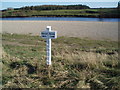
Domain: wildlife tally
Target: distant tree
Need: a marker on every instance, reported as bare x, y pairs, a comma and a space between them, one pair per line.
32, 8
118, 5
10, 8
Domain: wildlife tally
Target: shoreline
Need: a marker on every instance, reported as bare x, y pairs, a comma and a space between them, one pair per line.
76, 16
48, 21
83, 29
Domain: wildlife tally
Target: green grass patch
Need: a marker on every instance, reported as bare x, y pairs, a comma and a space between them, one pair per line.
76, 63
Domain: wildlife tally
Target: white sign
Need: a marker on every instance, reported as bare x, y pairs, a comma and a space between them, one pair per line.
48, 35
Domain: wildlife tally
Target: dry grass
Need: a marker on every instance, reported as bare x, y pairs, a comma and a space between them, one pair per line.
72, 65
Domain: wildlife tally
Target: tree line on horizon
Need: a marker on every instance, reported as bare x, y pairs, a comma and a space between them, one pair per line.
55, 7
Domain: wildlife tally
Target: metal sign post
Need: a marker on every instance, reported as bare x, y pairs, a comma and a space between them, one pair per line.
48, 34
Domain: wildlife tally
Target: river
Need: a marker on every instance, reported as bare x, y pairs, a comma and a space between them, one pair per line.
63, 19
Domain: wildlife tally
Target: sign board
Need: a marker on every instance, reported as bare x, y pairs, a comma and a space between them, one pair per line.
48, 34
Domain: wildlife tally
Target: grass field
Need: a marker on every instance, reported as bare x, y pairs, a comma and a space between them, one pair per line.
76, 63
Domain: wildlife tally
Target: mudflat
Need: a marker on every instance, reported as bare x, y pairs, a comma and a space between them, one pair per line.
83, 29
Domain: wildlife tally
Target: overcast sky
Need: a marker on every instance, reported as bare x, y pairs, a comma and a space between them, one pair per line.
59, 0
91, 3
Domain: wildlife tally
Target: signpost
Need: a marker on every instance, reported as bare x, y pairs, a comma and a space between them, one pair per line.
48, 34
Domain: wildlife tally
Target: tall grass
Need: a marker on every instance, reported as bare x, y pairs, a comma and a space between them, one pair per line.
75, 63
